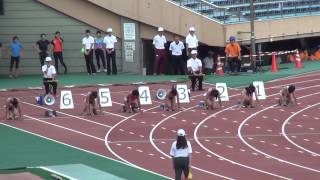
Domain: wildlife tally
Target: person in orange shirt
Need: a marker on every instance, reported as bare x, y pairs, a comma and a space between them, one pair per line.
233, 55
317, 54
57, 52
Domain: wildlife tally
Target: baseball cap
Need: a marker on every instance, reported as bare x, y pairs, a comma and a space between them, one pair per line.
109, 30
232, 38
181, 132
160, 29
48, 59
192, 29
194, 52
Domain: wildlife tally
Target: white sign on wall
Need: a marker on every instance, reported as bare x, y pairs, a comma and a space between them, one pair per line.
129, 31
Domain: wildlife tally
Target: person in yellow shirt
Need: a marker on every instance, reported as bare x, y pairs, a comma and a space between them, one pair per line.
233, 55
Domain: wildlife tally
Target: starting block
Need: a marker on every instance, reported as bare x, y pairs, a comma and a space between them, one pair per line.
201, 104
40, 100
50, 113
163, 107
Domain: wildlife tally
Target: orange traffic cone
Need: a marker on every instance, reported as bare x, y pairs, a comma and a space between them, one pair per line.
298, 60
219, 69
274, 66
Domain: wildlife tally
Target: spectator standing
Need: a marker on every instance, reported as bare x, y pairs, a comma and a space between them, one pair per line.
194, 66
110, 41
57, 52
43, 48
0, 50
180, 152
159, 42
209, 63
233, 54
176, 48
15, 49
99, 51
88, 42
191, 41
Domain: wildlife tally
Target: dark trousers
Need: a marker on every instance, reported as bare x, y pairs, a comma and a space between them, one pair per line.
159, 61
14, 60
58, 56
47, 85
178, 65
111, 57
42, 57
234, 64
89, 63
194, 80
100, 56
181, 164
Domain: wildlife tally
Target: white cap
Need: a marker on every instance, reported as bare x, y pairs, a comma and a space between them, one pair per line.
48, 59
160, 29
181, 132
192, 29
109, 30
194, 52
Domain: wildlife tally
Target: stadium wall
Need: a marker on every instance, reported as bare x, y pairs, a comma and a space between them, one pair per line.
28, 19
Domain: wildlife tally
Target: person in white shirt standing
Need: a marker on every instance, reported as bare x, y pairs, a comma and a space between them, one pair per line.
49, 76
181, 154
194, 66
159, 42
88, 42
110, 41
192, 41
176, 48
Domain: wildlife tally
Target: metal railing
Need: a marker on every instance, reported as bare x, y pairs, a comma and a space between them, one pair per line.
226, 12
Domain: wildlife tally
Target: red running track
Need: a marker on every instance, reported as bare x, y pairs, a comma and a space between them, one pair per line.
228, 143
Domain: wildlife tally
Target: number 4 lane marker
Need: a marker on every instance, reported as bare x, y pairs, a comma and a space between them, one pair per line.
145, 97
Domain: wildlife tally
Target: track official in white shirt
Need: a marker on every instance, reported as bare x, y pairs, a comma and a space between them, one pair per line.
110, 41
194, 66
49, 76
159, 42
181, 154
88, 42
176, 48
192, 41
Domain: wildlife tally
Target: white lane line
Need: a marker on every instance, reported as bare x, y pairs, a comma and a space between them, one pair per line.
261, 152
159, 150
83, 119
62, 127
219, 156
201, 145
84, 150
286, 136
106, 139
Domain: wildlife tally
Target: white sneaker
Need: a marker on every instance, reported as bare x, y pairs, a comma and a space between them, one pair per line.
105, 70
98, 70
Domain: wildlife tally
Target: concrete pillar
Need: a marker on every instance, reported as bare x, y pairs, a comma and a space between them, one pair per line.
131, 46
